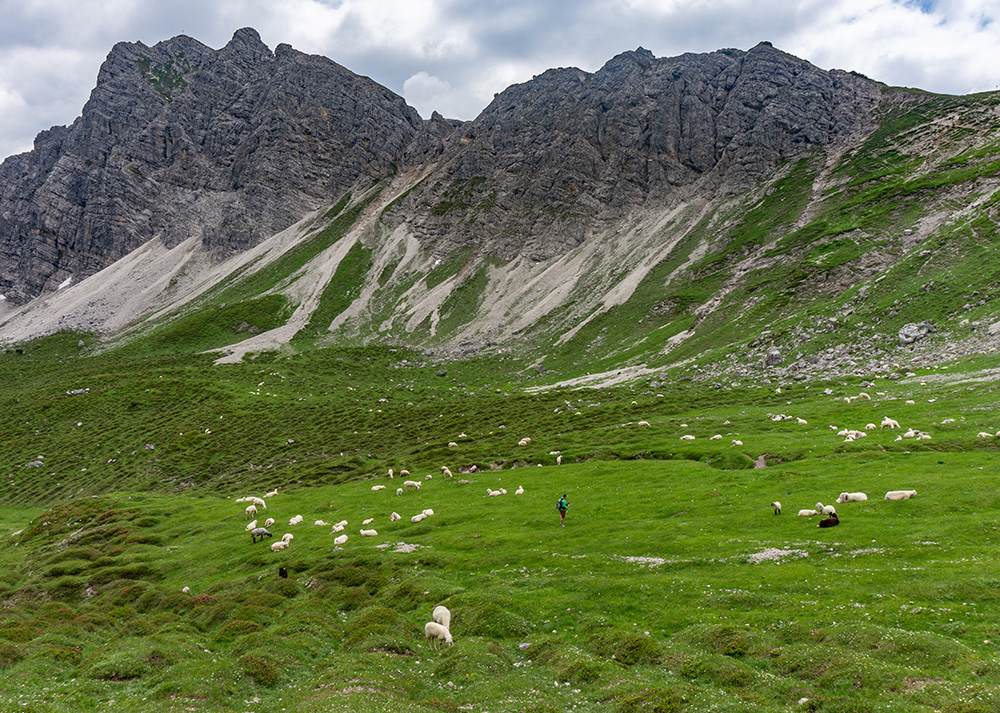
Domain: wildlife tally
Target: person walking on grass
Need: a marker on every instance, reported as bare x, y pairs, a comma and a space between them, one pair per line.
562, 506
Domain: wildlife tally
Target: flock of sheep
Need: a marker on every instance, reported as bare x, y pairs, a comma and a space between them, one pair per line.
830, 512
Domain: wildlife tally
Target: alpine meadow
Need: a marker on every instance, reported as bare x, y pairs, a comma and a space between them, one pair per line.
697, 295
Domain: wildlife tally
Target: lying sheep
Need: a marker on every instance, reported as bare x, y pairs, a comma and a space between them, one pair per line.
428, 512
337, 528
442, 616
831, 521
519, 491
340, 539
434, 634
268, 522
271, 494
278, 546
399, 491
524, 442
369, 521
296, 520
418, 517
643, 423
369, 533
287, 537
851, 498
737, 443
490, 493
900, 494
320, 523
260, 532
378, 487
395, 516
251, 525
687, 437
807, 513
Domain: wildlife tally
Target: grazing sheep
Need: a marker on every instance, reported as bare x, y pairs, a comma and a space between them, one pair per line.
687, 437
442, 616
259, 503
807, 513
429, 476
399, 491
378, 487
251, 511
395, 516
369, 521
900, 494
287, 537
519, 491
452, 444
643, 423
296, 520
889, 423
777, 507
446, 472
340, 539
260, 532
369, 533
278, 546
418, 517
251, 525
434, 634
851, 498
411, 485
320, 523
559, 460
524, 442
863, 395
268, 522
404, 473
870, 426
831, 521
390, 473
186, 590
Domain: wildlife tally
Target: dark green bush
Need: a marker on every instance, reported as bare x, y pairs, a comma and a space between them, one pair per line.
262, 671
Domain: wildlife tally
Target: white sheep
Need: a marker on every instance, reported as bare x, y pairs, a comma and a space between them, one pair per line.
287, 537
737, 443
342, 523
429, 476
870, 426
296, 520
337, 528
889, 422
716, 437
251, 511
251, 525
687, 437
452, 444
524, 442
259, 503
411, 485
418, 517
851, 498
378, 487
428, 512
442, 616
390, 473
519, 491
807, 513
909, 402
434, 634
340, 540
924, 437
446, 471
900, 494
271, 494
369, 533
369, 521
777, 507
320, 523
643, 423
404, 473
490, 493
278, 546
268, 522
801, 422
984, 434
559, 460
395, 516
399, 491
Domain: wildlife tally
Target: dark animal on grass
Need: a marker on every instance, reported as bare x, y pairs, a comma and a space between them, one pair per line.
282, 572
831, 521
260, 532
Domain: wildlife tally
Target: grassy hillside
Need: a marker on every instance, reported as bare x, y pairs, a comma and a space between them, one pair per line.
673, 587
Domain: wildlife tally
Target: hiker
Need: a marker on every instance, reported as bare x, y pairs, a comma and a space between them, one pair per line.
562, 506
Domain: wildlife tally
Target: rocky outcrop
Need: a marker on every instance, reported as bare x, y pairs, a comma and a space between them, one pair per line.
551, 158
179, 140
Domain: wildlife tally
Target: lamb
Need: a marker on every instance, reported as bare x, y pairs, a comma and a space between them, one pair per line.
446, 471
777, 507
737, 443
519, 491
687, 437
377, 487
831, 521
434, 634
341, 539
900, 494
251, 525
390, 473
643, 423
336, 529
851, 498
395, 516
399, 491
889, 423
807, 513
268, 522
411, 485
320, 523
278, 546
287, 537
260, 532
418, 517
369, 521
825, 509
251, 511
442, 616
369, 533
296, 520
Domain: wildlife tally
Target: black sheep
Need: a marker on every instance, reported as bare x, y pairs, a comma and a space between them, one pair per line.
831, 521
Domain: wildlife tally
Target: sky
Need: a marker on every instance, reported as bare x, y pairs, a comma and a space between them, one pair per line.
452, 56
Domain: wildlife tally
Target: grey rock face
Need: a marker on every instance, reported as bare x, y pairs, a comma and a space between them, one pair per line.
549, 159
179, 140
